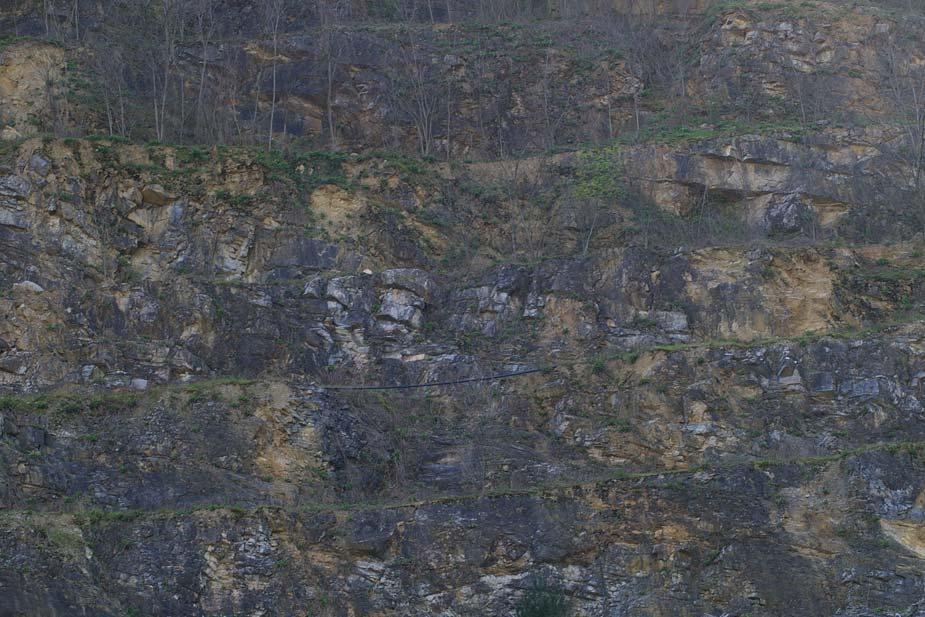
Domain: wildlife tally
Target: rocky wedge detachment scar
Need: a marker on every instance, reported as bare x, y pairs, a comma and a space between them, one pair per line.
458, 308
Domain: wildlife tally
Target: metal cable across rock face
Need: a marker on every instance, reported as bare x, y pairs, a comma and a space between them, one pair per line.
434, 384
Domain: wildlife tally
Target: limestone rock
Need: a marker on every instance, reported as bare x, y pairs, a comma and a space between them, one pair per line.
14, 186
402, 306
156, 195
29, 286
787, 214
39, 164
16, 363
12, 218
414, 280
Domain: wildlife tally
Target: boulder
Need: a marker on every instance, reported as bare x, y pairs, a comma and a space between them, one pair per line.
14, 186
821, 384
16, 363
860, 388
32, 437
8, 133
90, 372
39, 164
29, 286
786, 215
416, 281
10, 218
304, 253
315, 288
402, 306
669, 321
156, 195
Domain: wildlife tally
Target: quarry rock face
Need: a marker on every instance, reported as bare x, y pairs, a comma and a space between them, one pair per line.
673, 369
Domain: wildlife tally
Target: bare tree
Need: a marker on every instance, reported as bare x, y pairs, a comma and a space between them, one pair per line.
57, 106
416, 91
652, 62
75, 19
554, 110
204, 16
906, 91
407, 10
109, 65
163, 64
331, 44
525, 183
273, 13
229, 88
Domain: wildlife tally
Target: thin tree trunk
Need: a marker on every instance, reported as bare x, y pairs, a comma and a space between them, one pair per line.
202, 84
121, 107
182, 87
273, 102
157, 118
636, 112
124, 125
108, 113
584, 252
449, 115
332, 133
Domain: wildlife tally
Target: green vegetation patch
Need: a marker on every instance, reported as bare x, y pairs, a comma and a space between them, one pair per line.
6, 41
664, 133
599, 174
887, 273
543, 600
780, 10
69, 402
307, 170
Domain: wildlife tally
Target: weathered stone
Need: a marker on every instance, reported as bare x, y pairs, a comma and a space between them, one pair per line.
822, 384
156, 195
402, 306
285, 494
12, 218
14, 186
700, 428
16, 363
787, 214
669, 321
32, 437
29, 286
315, 288
39, 164
417, 281
343, 290
860, 388
308, 253
9, 133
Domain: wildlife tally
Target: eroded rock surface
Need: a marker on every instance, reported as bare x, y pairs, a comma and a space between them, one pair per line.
667, 374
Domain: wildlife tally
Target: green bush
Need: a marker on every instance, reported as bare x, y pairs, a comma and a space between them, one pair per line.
543, 601
599, 175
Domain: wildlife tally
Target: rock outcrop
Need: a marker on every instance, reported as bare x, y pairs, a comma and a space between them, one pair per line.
681, 372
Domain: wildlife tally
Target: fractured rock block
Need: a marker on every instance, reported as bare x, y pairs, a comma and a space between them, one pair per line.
156, 195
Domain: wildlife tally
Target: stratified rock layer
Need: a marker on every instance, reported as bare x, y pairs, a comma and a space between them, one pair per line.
673, 375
